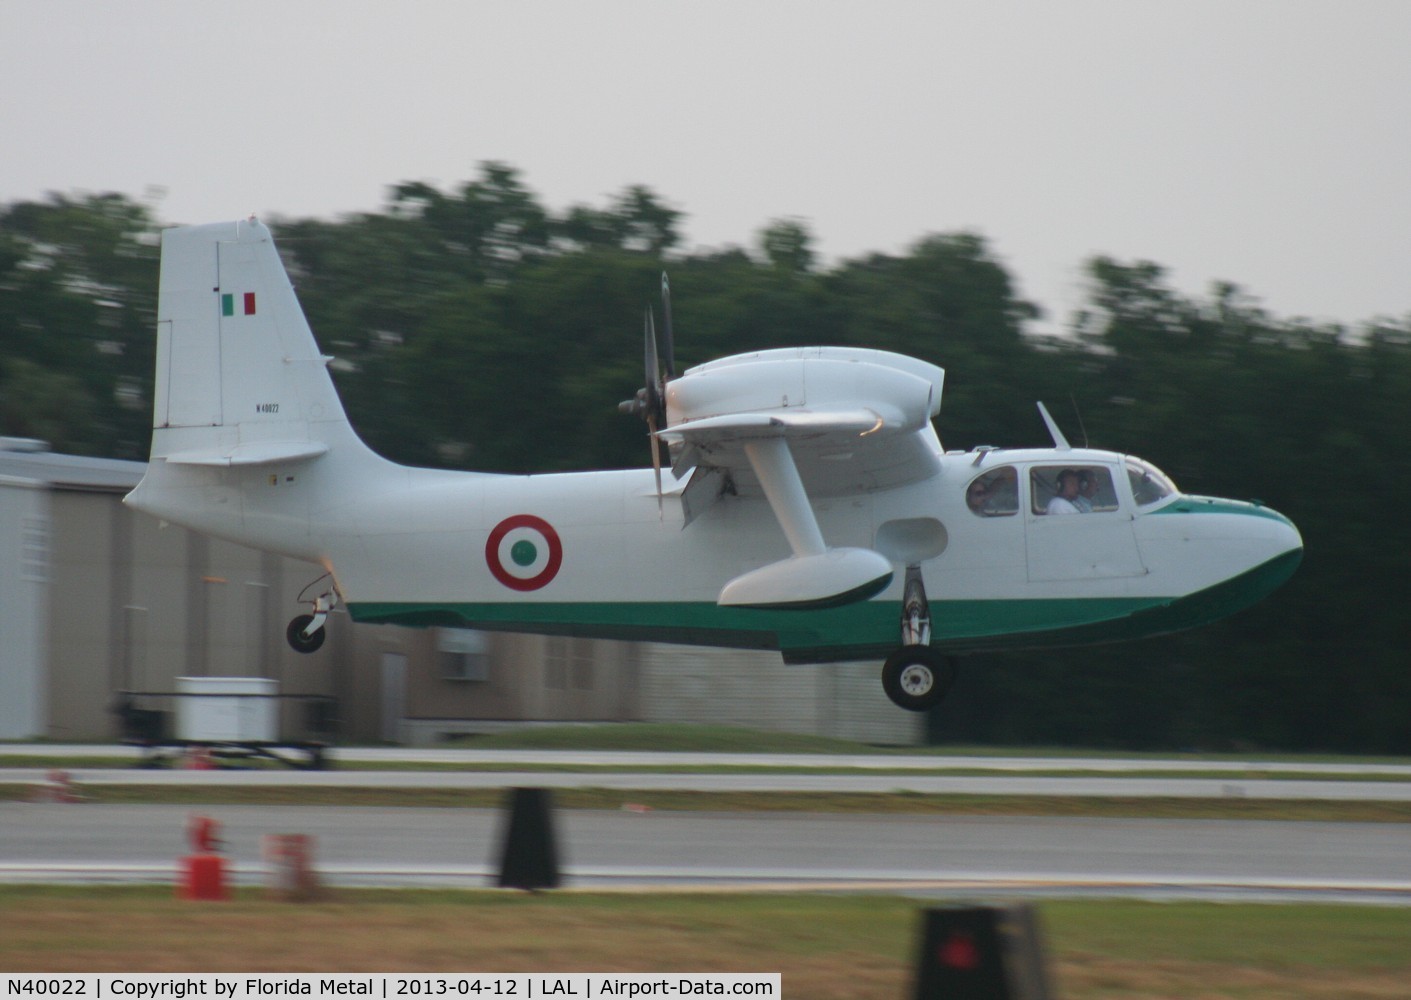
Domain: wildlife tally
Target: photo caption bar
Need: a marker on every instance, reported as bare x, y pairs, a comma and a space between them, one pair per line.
389, 985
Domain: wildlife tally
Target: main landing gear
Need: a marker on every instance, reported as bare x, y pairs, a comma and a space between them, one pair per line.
306, 632
916, 677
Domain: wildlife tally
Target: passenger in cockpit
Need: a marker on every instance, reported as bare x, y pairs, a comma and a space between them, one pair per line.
1004, 492
1087, 490
995, 493
976, 494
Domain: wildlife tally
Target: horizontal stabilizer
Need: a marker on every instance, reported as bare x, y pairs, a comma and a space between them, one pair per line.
255, 453
828, 580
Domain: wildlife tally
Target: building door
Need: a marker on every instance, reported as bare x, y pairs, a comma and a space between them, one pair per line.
394, 695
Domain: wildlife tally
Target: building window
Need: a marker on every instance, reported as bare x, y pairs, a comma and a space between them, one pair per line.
34, 549
463, 654
568, 662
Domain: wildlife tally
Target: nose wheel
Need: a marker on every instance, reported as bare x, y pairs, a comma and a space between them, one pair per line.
916, 677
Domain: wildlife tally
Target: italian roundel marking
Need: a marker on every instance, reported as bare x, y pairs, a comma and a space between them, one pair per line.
524, 552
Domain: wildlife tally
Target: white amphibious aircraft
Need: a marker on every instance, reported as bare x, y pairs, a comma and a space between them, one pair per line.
809, 507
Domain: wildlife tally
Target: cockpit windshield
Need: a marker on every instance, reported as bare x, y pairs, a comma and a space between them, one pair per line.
1149, 484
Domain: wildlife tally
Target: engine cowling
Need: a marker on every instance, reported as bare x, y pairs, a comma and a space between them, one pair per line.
903, 392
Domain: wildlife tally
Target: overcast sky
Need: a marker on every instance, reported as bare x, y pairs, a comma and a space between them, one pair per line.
1266, 143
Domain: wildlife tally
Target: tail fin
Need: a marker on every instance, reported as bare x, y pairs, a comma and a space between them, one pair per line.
240, 380
249, 439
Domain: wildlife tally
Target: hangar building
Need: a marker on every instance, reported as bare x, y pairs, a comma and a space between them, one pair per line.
98, 601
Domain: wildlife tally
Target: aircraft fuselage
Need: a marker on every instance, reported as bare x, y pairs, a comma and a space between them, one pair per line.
597, 557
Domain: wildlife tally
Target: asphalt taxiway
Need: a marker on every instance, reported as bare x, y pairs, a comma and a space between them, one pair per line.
809, 777
645, 849
642, 849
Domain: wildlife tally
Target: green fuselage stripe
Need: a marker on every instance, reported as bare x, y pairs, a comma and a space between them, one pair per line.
865, 628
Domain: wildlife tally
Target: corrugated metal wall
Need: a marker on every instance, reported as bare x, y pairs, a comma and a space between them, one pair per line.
24, 588
96, 599
756, 690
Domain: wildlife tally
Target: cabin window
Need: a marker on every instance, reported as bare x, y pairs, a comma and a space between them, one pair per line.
1149, 484
1072, 489
994, 493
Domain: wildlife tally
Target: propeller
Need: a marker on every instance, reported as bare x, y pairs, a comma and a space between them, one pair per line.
649, 403
670, 342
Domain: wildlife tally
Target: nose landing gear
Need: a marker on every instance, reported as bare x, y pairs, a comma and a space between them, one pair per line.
916, 677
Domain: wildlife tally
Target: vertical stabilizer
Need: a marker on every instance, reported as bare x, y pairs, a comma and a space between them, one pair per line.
249, 439
239, 375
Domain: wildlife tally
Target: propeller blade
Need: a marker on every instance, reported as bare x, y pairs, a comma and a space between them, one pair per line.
670, 343
650, 401
656, 461
653, 367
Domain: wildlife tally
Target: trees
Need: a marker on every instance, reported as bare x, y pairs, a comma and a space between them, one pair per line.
1234, 402
475, 328
77, 311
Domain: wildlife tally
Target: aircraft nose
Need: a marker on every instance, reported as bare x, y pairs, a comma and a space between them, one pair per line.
1231, 540
1279, 544
1284, 536
1293, 539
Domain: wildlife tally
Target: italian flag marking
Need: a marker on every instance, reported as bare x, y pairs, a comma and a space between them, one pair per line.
524, 552
227, 304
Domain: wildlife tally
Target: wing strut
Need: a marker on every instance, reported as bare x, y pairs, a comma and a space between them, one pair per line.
774, 466
816, 576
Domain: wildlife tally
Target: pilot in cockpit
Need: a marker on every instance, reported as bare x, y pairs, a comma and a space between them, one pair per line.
1065, 501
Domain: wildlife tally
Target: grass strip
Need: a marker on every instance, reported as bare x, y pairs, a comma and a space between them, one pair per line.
827, 947
891, 803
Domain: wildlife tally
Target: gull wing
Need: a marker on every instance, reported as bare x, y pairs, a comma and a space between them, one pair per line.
854, 420
795, 424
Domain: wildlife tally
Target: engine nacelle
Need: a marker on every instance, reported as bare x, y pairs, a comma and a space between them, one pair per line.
903, 392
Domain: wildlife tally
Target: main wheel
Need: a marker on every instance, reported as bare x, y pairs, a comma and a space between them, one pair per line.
298, 641
916, 678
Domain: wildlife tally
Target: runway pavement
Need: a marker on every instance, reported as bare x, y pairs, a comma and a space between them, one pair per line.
999, 783
861, 762
916, 854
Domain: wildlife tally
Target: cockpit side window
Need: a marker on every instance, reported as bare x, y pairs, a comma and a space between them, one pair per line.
1072, 489
1149, 484
994, 493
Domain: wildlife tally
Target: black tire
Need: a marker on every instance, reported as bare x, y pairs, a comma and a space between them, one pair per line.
916, 678
298, 641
